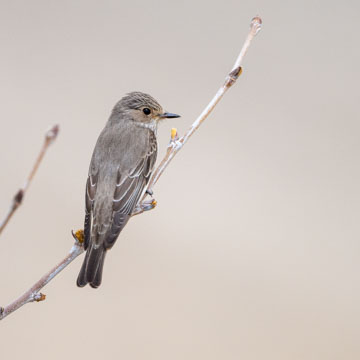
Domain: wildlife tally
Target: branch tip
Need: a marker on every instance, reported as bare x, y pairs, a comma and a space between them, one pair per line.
50, 136
256, 24
176, 144
52, 133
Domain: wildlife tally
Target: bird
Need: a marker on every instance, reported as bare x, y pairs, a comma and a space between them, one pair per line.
121, 166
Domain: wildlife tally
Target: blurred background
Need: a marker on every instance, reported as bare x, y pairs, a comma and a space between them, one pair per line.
253, 251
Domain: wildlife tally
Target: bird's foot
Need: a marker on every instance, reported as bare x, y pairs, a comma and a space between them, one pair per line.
144, 206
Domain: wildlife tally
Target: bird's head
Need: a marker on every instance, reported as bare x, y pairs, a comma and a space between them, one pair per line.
142, 108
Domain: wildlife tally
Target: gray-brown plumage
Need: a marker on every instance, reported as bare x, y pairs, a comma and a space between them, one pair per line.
120, 168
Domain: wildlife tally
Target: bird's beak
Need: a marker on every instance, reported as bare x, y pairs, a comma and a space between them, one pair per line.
168, 115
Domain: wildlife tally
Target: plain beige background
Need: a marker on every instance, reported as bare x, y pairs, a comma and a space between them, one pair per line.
253, 251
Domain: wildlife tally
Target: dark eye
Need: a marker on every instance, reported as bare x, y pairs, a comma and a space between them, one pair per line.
146, 111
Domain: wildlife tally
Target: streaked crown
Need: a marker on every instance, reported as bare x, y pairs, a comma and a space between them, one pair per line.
137, 100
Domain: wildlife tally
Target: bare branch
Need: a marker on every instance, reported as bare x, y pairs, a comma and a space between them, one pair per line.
50, 136
33, 294
176, 144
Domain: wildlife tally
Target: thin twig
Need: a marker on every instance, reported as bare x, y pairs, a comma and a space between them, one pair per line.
33, 294
50, 136
176, 144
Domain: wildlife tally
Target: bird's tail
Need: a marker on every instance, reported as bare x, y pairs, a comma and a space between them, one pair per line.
92, 267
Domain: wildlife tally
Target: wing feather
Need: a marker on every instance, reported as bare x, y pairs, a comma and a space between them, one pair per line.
128, 190
91, 186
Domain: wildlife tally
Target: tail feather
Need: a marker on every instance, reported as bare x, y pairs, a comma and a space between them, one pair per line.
81, 280
96, 282
92, 267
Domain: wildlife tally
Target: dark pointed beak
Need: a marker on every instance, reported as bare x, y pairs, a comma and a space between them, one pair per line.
169, 115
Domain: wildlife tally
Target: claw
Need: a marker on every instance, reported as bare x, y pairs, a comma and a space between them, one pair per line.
149, 205
144, 206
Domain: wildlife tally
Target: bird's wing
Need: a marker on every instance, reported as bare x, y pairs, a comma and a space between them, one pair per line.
128, 190
91, 186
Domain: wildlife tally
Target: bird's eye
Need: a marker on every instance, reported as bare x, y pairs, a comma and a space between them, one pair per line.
146, 111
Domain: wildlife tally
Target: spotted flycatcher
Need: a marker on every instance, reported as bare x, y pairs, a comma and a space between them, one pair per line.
120, 168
